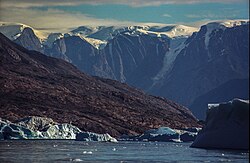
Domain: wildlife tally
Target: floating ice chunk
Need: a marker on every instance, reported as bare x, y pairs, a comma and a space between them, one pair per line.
89, 136
226, 127
87, 152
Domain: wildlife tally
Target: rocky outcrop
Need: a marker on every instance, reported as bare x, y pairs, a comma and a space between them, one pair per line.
227, 126
33, 84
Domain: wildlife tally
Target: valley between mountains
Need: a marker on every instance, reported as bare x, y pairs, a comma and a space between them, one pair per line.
188, 65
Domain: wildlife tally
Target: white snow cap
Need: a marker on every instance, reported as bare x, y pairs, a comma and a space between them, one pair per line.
14, 30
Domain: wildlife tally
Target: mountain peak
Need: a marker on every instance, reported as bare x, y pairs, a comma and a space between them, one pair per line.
14, 30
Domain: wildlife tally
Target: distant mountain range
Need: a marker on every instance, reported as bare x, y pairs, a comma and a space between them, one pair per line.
33, 84
174, 61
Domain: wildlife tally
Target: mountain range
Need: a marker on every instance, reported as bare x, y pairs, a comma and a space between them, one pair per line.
178, 62
33, 84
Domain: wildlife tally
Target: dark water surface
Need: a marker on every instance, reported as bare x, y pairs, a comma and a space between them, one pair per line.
26, 151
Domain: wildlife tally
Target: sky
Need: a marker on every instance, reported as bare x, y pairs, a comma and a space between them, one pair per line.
64, 14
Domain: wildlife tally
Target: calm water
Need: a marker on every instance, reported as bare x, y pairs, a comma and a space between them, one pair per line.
72, 151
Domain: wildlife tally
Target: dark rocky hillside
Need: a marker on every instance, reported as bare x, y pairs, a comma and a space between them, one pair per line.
33, 84
236, 88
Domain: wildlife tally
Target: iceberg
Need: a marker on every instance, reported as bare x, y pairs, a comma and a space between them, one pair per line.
226, 126
188, 136
10, 130
165, 134
90, 136
45, 128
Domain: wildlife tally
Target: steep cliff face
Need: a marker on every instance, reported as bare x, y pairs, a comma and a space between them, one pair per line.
33, 84
29, 40
212, 57
82, 54
136, 59
133, 59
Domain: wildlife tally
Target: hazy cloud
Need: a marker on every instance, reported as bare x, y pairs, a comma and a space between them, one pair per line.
135, 3
53, 19
211, 15
21, 11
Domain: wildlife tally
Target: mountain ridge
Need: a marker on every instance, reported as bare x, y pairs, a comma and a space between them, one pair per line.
155, 62
34, 84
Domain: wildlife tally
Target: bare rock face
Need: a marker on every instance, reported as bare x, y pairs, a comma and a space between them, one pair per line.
38, 85
227, 126
208, 61
29, 40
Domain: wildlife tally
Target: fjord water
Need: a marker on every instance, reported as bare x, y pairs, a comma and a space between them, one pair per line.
77, 151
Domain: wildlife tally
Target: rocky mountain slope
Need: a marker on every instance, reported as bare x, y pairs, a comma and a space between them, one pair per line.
33, 84
213, 56
174, 61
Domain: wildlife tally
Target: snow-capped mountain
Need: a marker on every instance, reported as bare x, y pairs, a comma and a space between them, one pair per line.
175, 61
174, 31
53, 37
14, 30
24, 35
209, 58
97, 36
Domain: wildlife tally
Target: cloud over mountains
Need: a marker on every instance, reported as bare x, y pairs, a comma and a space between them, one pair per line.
137, 3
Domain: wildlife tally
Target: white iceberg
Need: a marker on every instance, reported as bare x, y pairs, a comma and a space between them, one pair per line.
90, 136
45, 128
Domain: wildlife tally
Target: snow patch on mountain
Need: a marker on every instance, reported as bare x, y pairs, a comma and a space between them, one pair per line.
53, 37
176, 46
170, 31
98, 44
221, 25
233, 23
180, 31
84, 30
217, 25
